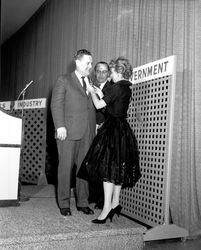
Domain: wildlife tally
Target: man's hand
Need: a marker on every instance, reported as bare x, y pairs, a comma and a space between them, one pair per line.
98, 126
61, 133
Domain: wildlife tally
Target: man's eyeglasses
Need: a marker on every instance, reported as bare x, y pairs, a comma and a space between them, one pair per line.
101, 72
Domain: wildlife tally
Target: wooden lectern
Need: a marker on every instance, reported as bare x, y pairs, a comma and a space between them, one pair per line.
10, 149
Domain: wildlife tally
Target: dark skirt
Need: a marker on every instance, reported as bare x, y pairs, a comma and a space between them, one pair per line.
113, 155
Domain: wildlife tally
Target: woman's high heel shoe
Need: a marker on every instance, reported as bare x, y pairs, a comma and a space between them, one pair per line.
117, 210
109, 215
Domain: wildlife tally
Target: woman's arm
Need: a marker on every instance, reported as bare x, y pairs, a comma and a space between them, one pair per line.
98, 102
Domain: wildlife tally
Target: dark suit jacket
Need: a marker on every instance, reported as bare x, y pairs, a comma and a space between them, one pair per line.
100, 113
72, 108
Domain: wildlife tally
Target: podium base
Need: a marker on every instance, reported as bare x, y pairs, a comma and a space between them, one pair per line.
162, 232
9, 203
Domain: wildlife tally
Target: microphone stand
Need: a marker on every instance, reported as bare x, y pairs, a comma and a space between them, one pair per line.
23, 95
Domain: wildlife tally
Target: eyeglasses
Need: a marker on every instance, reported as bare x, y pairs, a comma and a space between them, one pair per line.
101, 72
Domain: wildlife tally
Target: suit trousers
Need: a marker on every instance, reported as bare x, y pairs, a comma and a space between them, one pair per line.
72, 152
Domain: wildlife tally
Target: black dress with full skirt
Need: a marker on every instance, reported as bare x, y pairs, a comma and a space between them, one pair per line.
113, 155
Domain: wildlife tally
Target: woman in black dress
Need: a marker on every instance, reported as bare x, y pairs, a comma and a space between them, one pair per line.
113, 156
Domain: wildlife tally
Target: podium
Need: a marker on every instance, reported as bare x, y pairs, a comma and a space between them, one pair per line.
10, 149
33, 149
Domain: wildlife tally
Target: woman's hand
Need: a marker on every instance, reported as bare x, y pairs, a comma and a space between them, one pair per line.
98, 92
90, 88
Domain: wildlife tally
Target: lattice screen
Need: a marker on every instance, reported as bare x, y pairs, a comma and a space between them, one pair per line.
149, 117
34, 145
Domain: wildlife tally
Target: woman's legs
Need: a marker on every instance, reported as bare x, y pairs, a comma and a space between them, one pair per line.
108, 191
116, 195
111, 198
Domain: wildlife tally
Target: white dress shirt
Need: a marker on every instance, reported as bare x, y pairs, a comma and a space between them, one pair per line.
79, 76
101, 86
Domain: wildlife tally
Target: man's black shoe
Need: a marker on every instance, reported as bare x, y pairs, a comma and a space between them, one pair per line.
65, 211
85, 210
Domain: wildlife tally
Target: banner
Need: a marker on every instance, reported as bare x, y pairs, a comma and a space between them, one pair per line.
5, 105
153, 70
25, 104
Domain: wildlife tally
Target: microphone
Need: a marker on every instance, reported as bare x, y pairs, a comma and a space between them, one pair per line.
23, 91
28, 84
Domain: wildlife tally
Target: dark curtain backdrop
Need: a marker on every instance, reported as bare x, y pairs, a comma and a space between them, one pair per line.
140, 30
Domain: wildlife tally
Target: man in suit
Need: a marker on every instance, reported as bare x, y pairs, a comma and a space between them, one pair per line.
102, 74
102, 81
74, 119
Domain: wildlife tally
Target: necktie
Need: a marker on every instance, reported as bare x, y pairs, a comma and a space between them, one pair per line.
84, 85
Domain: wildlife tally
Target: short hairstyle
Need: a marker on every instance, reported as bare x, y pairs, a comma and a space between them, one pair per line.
102, 62
122, 65
80, 53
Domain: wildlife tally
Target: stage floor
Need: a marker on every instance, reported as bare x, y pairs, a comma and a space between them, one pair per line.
38, 224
